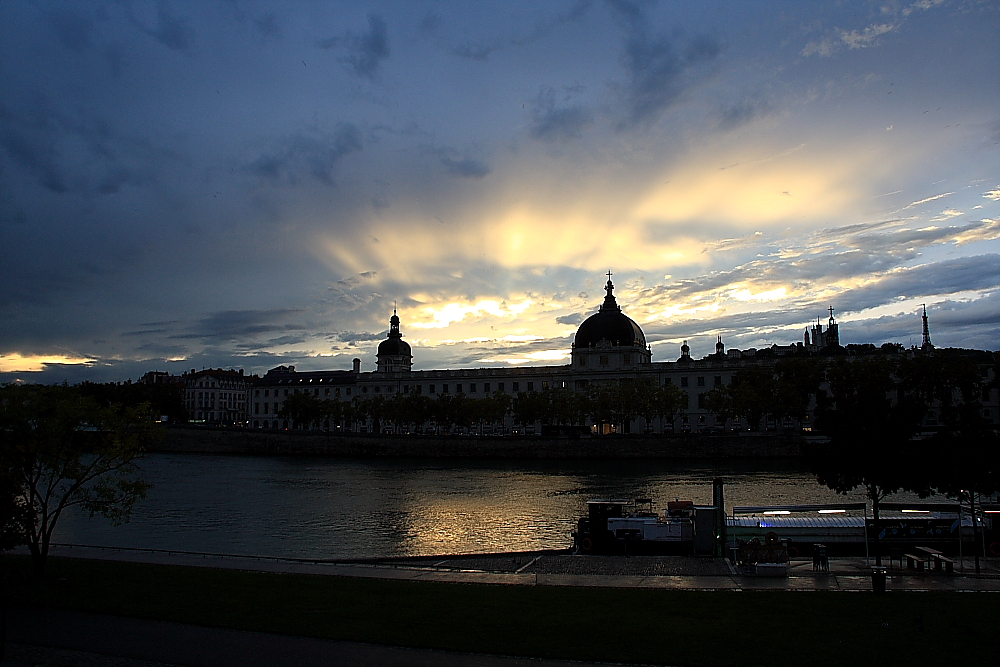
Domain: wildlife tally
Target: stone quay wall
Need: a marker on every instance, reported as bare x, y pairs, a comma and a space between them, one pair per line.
209, 440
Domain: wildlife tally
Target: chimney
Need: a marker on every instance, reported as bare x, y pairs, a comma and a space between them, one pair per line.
357, 365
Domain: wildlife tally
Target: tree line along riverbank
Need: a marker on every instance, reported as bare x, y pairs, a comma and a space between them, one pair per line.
208, 440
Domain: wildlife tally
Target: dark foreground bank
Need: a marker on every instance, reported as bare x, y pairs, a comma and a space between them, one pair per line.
212, 440
674, 627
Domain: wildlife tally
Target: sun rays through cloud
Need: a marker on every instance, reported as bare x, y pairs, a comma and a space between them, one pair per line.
225, 195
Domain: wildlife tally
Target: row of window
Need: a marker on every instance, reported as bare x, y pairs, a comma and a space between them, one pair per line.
222, 385
604, 360
716, 381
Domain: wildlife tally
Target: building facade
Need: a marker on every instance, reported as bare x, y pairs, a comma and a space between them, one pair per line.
217, 396
608, 347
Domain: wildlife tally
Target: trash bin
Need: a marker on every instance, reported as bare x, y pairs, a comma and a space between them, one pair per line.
878, 579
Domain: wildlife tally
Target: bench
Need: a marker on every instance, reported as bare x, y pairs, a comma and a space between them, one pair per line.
940, 560
914, 562
948, 563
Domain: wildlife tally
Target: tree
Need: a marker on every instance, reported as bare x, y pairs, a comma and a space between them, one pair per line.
654, 400
303, 410
953, 382
752, 395
64, 450
870, 424
614, 403
798, 382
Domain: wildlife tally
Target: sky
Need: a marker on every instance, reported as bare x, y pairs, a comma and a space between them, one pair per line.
247, 184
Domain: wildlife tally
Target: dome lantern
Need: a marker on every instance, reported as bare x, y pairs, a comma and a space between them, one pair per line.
394, 353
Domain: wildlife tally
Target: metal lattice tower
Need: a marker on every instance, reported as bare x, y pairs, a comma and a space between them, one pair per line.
926, 344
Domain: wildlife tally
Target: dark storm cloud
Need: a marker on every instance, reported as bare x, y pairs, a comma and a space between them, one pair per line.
31, 285
833, 254
69, 150
552, 123
358, 336
659, 68
173, 32
979, 272
236, 324
366, 50
984, 312
308, 156
462, 166
572, 318
280, 341
482, 50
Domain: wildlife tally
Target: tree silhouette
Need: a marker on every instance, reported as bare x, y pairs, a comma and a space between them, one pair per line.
62, 450
870, 424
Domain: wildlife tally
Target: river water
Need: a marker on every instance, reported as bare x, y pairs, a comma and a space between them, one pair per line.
309, 507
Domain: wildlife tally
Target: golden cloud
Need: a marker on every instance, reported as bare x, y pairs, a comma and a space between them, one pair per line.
17, 363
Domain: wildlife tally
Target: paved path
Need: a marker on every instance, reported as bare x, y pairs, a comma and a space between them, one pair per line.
74, 639
846, 574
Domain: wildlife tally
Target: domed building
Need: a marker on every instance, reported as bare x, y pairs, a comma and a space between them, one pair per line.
394, 353
608, 347
609, 339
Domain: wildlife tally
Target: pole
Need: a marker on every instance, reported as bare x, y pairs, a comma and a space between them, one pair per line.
975, 529
868, 560
961, 556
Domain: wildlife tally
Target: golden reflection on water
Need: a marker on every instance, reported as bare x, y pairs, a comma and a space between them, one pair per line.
329, 508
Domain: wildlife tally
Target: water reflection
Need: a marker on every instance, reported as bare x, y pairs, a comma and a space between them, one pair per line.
332, 508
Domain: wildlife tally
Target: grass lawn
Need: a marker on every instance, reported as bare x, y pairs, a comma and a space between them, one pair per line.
626, 625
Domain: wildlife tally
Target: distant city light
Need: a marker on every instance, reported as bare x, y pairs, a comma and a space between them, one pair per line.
831, 511
778, 512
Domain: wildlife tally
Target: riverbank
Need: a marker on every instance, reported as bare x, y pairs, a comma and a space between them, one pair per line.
620, 624
213, 440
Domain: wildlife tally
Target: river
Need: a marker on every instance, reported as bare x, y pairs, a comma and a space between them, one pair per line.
311, 507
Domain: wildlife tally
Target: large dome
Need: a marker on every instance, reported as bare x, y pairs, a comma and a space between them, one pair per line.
394, 345
609, 324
